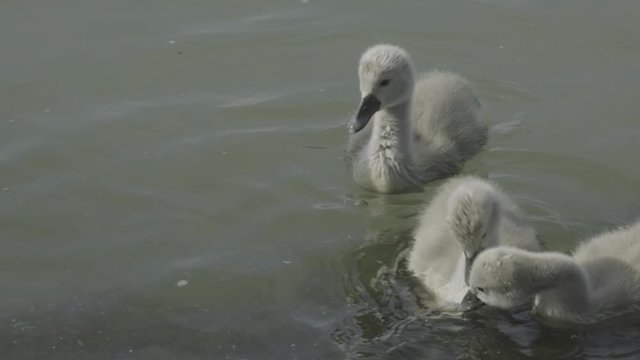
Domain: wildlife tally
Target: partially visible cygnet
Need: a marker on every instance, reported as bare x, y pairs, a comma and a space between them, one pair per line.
466, 216
420, 130
600, 280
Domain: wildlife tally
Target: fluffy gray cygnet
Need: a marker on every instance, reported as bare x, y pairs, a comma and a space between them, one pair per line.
467, 216
600, 280
421, 129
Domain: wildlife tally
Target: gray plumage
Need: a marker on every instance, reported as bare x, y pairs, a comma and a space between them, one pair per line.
466, 216
600, 280
420, 130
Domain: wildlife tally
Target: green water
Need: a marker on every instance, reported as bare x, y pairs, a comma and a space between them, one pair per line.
173, 183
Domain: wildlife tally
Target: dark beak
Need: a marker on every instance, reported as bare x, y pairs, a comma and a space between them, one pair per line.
471, 302
370, 104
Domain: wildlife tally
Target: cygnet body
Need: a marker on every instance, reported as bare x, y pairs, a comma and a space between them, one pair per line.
420, 130
466, 216
600, 280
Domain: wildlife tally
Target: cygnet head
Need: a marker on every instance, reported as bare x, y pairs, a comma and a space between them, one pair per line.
386, 80
498, 277
473, 216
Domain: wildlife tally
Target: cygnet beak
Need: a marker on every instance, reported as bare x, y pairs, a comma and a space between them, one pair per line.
470, 301
370, 104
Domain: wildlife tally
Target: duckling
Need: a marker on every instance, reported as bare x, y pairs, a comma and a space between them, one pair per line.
466, 216
421, 130
600, 280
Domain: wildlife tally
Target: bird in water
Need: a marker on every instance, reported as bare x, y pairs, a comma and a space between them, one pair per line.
466, 216
601, 280
409, 131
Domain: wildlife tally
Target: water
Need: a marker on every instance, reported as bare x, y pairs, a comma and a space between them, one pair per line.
173, 184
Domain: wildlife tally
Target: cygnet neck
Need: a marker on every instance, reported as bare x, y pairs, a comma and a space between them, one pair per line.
565, 290
391, 132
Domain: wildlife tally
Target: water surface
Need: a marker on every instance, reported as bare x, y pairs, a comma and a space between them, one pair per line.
173, 183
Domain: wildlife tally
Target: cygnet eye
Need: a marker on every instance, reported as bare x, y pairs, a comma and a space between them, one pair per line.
480, 289
484, 235
384, 82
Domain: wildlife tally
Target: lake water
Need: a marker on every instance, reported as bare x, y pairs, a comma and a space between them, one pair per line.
173, 182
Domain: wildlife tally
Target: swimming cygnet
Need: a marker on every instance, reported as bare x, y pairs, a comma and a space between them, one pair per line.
466, 216
600, 280
421, 130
